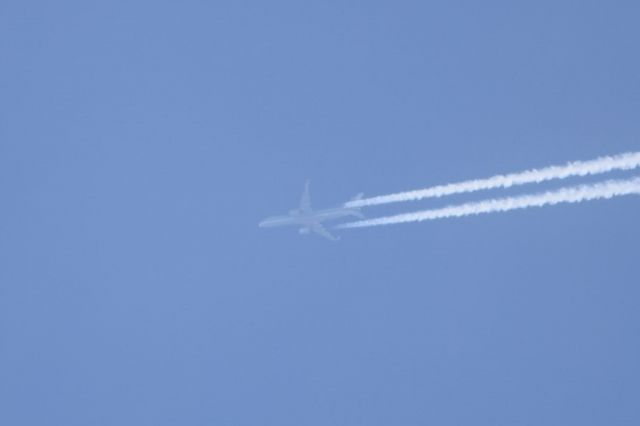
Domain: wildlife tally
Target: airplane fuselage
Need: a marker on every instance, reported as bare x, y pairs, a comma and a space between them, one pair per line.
309, 220
305, 220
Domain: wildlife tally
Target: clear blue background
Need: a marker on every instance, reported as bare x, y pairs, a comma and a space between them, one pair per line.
141, 143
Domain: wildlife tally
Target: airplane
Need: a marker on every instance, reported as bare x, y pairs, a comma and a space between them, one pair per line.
311, 220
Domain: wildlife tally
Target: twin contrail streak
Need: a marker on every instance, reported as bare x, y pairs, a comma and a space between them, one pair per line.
626, 161
575, 194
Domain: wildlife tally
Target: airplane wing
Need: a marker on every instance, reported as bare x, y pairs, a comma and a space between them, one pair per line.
320, 230
305, 202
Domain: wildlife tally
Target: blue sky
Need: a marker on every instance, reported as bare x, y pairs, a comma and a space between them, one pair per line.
141, 142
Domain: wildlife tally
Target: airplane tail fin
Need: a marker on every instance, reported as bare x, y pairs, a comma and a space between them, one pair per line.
357, 197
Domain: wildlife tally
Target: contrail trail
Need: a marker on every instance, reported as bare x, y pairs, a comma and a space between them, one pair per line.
575, 194
626, 161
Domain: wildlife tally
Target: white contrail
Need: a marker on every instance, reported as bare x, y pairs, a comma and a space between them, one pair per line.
626, 161
575, 194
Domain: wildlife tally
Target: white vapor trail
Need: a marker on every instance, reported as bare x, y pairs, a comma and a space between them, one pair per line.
575, 194
626, 161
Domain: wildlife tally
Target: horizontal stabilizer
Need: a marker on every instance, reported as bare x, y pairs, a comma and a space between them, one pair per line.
320, 230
